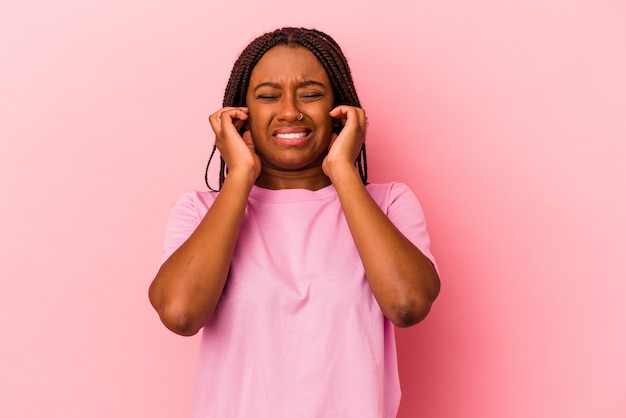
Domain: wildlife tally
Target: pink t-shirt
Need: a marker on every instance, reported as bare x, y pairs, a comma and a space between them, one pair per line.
297, 332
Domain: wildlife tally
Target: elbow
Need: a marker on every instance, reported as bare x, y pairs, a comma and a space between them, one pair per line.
412, 310
409, 313
179, 322
175, 317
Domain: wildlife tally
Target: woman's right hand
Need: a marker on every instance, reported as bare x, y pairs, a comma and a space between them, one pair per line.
236, 150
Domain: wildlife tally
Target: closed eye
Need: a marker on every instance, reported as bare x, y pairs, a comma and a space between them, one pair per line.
308, 97
266, 97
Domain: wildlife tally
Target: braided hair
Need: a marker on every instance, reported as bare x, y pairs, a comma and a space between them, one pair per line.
325, 49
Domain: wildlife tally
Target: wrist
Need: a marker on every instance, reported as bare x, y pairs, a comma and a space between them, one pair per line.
241, 179
340, 173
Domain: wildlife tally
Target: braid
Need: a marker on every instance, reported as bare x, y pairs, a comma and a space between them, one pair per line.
325, 49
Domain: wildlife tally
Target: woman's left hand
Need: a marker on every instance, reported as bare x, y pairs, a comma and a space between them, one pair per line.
345, 147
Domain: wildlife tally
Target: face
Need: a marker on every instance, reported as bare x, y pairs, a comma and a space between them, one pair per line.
285, 83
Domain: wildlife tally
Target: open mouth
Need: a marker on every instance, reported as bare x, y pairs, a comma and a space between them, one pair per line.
293, 135
292, 138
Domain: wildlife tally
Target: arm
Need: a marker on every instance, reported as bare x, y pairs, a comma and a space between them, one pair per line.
189, 284
403, 280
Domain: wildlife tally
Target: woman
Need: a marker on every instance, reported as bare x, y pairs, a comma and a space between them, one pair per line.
297, 268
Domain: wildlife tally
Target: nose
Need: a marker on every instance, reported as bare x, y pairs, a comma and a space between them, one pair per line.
288, 110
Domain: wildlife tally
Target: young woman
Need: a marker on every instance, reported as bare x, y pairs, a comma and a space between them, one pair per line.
296, 268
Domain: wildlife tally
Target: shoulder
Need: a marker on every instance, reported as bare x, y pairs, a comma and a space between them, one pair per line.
401, 206
191, 207
185, 215
387, 187
387, 194
195, 199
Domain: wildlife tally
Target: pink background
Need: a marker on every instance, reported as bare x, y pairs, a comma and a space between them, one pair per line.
507, 118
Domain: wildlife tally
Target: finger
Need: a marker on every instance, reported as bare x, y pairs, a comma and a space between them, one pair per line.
339, 112
339, 120
231, 114
238, 123
228, 115
234, 113
350, 117
346, 113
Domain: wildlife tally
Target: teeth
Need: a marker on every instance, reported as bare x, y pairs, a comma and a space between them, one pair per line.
292, 136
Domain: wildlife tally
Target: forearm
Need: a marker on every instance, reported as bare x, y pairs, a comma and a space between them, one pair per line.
403, 280
189, 284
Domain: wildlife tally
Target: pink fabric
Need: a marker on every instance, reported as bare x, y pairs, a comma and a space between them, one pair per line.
297, 331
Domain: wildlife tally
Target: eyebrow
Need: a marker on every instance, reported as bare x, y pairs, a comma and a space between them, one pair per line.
305, 83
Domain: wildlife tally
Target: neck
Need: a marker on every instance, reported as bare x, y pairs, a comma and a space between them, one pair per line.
311, 179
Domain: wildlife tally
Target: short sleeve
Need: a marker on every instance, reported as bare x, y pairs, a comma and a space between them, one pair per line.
183, 220
405, 212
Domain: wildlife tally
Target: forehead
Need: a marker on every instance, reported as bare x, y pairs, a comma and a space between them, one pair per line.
285, 63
